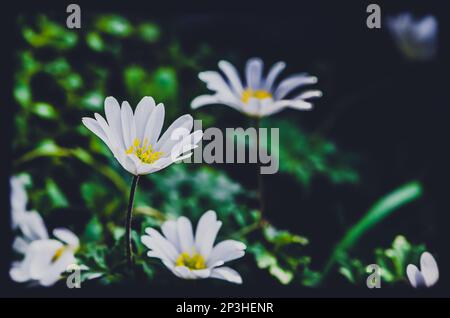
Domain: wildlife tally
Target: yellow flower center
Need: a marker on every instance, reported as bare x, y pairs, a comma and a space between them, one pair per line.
195, 261
259, 94
144, 151
58, 253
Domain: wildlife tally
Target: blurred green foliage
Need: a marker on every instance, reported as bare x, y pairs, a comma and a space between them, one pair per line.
305, 156
382, 208
392, 261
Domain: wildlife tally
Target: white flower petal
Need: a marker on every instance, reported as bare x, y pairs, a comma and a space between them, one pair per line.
276, 69
185, 234
32, 226
154, 125
280, 105
112, 141
206, 232
66, 236
19, 198
20, 245
113, 116
159, 244
128, 125
183, 272
227, 274
226, 251
129, 162
314, 93
162, 241
187, 144
253, 107
154, 167
204, 100
291, 83
54, 271
215, 82
169, 229
181, 124
19, 272
415, 276
253, 73
94, 126
141, 115
42, 253
201, 273
232, 75
429, 269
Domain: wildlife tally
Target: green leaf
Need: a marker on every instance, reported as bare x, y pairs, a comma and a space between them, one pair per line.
93, 231
114, 25
22, 93
51, 34
95, 42
284, 276
149, 32
57, 197
59, 67
93, 101
44, 110
282, 238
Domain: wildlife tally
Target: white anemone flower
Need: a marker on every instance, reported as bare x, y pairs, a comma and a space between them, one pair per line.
417, 39
46, 259
196, 257
428, 274
259, 96
134, 138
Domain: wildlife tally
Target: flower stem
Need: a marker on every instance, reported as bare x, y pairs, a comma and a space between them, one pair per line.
128, 222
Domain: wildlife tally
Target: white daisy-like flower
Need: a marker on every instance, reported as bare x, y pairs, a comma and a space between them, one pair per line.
428, 274
134, 138
417, 39
259, 96
45, 259
194, 257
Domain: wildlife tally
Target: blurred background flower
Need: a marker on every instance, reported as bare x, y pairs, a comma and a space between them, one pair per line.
416, 38
258, 96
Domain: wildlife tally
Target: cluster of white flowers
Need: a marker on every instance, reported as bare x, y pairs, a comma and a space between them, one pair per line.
44, 259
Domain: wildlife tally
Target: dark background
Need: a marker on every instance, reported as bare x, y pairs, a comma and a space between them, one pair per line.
391, 112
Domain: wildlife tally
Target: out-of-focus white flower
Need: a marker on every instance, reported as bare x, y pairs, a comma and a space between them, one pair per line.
196, 257
134, 138
30, 223
428, 274
259, 96
46, 259
417, 39
19, 197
